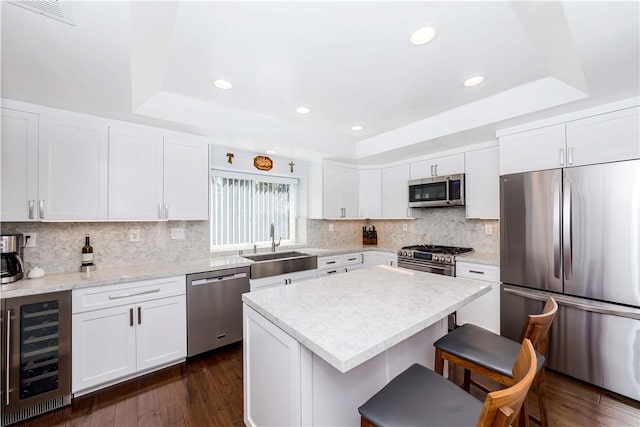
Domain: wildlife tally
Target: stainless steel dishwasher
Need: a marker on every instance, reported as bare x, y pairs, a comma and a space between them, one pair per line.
214, 308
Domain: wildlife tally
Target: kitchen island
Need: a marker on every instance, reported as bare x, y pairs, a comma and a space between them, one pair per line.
315, 351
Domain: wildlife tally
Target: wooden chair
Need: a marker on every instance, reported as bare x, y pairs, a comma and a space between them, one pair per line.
480, 351
420, 397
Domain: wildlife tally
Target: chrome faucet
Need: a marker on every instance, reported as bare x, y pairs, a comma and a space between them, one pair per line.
273, 239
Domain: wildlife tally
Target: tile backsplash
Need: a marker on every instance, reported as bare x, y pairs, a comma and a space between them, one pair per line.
59, 244
445, 226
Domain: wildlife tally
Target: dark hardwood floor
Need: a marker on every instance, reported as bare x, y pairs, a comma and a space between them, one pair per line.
207, 391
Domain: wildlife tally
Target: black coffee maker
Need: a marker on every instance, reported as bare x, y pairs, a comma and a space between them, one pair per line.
11, 252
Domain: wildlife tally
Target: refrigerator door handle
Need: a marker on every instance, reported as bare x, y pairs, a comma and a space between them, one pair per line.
556, 230
566, 231
629, 313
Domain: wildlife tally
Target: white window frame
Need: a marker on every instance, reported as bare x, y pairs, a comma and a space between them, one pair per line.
255, 177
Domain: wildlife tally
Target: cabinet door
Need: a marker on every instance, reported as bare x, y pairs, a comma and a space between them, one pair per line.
186, 179
135, 173
267, 282
301, 276
372, 258
339, 192
272, 373
395, 192
448, 165
19, 180
73, 159
161, 334
484, 311
370, 193
421, 169
537, 149
604, 138
349, 192
483, 183
392, 260
103, 346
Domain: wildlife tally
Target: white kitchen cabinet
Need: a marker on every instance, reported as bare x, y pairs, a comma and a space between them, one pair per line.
370, 193
438, 166
19, 168
333, 191
274, 367
395, 192
72, 168
482, 182
121, 331
603, 138
282, 279
135, 173
484, 311
186, 177
372, 258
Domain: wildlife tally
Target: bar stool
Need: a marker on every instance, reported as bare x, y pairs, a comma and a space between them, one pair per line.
480, 351
420, 397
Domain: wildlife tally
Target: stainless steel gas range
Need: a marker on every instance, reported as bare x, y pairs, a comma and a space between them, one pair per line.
430, 258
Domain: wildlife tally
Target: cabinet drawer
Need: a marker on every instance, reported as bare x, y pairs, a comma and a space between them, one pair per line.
351, 259
99, 297
468, 270
329, 261
331, 271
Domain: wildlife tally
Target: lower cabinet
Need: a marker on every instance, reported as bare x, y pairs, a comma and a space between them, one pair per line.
372, 258
120, 331
485, 311
281, 279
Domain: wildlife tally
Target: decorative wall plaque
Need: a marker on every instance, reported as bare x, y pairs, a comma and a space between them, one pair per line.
263, 163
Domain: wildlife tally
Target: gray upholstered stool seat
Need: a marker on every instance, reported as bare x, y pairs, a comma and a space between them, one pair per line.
484, 348
419, 395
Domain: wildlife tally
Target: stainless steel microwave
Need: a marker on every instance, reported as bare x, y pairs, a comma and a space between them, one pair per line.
437, 191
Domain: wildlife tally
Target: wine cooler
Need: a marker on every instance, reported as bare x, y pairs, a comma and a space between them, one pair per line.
36, 360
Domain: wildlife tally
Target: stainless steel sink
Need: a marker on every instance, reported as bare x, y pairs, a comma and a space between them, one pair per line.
273, 264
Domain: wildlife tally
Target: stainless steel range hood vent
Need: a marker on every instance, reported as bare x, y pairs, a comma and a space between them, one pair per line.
58, 10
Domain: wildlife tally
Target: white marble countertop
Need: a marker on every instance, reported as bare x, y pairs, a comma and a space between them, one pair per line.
107, 276
349, 318
480, 258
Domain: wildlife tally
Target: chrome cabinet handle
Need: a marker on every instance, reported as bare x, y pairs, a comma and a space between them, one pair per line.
432, 171
131, 317
332, 271
41, 209
570, 155
166, 211
562, 157
139, 315
160, 210
330, 262
152, 291
362, 260
343, 212
7, 381
352, 259
32, 205
436, 170
476, 271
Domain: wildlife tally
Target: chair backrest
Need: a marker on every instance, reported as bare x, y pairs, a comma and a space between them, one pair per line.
501, 407
538, 325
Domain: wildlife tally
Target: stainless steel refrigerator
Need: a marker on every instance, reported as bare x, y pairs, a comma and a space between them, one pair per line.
574, 233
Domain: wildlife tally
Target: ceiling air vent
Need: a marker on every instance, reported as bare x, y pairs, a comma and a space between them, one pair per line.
59, 10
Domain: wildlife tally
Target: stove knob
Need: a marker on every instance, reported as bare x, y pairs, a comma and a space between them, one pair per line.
438, 258
448, 259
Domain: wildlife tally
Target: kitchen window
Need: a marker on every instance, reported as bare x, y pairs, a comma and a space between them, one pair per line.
243, 206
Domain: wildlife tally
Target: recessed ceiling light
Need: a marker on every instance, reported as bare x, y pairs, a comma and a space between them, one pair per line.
222, 84
303, 110
423, 35
473, 81
270, 152
357, 128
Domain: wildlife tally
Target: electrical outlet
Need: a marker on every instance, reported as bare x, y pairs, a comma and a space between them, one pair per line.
30, 240
330, 227
404, 227
134, 235
488, 229
177, 233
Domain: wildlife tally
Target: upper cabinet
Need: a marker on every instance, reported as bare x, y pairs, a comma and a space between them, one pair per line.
72, 168
482, 169
370, 194
395, 192
186, 177
63, 166
19, 169
603, 138
438, 166
334, 191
